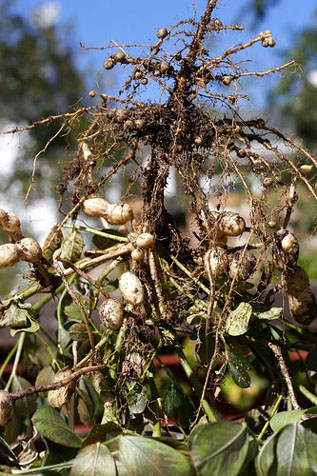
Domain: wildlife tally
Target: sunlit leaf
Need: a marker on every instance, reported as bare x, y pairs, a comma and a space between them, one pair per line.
14, 317
72, 246
291, 451
282, 419
271, 314
220, 448
145, 456
52, 243
238, 320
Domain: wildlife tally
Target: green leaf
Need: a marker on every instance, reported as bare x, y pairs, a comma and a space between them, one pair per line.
104, 242
78, 332
14, 317
137, 400
238, 368
290, 452
110, 285
296, 452
220, 448
265, 461
85, 405
145, 456
238, 320
25, 406
94, 460
282, 419
72, 312
52, 243
172, 399
271, 314
102, 433
51, 425
72, 246
45, 376
32, 327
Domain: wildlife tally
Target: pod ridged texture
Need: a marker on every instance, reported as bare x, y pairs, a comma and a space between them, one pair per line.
111, 314
231, 224
145, 240
9, 222
216, 261
95, 207
302, 302
137, 254
119, 213
9, 255
30, 250
131, 288
241, 267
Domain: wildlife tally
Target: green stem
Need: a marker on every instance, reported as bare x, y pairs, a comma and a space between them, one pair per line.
49, 349
310, 396
38, 305
122, 239
8, 358
110, 268
118, 346
275, 408
301, 332
148, 365
195, 383
59, 313
89, 355
16, 360
25, 294
200, 304
189, 274
41, 469
157, 431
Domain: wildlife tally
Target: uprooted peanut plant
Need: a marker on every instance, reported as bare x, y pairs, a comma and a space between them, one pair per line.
144, 287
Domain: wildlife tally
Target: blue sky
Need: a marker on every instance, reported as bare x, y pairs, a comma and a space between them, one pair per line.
95, 22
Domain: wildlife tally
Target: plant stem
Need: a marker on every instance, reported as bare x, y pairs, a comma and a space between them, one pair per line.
66, 465
16, 360
114, 237
8, 358
119, 342
196, 384
49, 349
275, 408
301, 332
310, 396
189, 274
38, 305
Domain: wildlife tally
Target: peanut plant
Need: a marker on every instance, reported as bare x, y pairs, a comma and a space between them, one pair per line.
143, 287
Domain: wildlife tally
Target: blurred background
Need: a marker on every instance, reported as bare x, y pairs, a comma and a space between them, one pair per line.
46, 65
